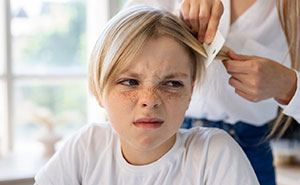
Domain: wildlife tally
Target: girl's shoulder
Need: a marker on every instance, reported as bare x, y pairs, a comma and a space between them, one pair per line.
101, 133
202, 134
207, 140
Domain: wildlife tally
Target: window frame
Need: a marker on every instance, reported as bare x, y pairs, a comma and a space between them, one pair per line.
108, 9
6, 77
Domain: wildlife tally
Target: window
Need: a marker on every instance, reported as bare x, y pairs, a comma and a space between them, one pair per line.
44, 51
4, 53
43, 69
48, 57
2, 114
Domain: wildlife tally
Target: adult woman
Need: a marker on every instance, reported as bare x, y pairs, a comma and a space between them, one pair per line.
244, 96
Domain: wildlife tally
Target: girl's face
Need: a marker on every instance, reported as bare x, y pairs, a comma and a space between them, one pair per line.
147, 101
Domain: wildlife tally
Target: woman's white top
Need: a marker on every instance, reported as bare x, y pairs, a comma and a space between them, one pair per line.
200, 156
256, 32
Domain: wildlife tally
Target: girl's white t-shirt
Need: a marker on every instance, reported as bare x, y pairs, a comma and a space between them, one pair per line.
200, 156
256, 32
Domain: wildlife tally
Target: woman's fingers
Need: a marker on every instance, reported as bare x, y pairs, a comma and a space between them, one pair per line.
185, 11
246, 96
203, 17
257, 78
243, 90
212, 27
193, 16
235, 56
236, 66
235, 83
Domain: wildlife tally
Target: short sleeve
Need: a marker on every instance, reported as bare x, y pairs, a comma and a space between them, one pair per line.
227, 164
66, 166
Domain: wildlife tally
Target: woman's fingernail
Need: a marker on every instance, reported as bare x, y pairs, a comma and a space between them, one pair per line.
207, 39
201, 38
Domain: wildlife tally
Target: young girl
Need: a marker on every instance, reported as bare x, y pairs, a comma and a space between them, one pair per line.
143, 70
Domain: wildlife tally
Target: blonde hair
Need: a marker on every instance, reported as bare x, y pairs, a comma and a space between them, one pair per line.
126, 33
289, 15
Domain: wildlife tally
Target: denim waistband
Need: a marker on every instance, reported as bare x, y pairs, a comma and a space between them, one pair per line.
241, 131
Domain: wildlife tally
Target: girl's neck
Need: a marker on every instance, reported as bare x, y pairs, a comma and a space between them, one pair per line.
143, 157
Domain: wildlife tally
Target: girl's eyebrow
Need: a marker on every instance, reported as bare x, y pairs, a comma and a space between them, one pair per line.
131, 73
176, 75
168, 76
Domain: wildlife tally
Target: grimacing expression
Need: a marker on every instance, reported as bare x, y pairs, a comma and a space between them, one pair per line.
147, 101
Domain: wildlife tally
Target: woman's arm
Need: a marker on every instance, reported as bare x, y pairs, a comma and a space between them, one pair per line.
256, 78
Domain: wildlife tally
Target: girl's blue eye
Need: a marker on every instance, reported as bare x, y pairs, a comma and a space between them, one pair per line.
129, 82
174, 84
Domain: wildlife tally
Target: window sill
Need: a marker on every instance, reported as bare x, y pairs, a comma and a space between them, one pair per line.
20, 168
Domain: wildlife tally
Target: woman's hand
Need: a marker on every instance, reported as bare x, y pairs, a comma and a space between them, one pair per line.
256, 78
203, 17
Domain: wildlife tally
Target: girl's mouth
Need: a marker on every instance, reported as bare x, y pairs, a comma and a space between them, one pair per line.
148, 123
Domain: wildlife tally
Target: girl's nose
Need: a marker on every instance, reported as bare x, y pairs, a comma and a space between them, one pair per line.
149, 99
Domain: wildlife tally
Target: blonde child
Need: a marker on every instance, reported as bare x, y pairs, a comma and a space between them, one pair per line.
143, 70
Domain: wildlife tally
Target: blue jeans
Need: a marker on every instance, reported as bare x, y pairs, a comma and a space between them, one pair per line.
251, 140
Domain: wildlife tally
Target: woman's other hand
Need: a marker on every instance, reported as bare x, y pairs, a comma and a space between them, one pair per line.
256, 78
203, 17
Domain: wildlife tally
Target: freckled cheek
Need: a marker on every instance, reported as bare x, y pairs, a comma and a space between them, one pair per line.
125, 97
176, 106
179, 100
128, 96
119, 106
176, 95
